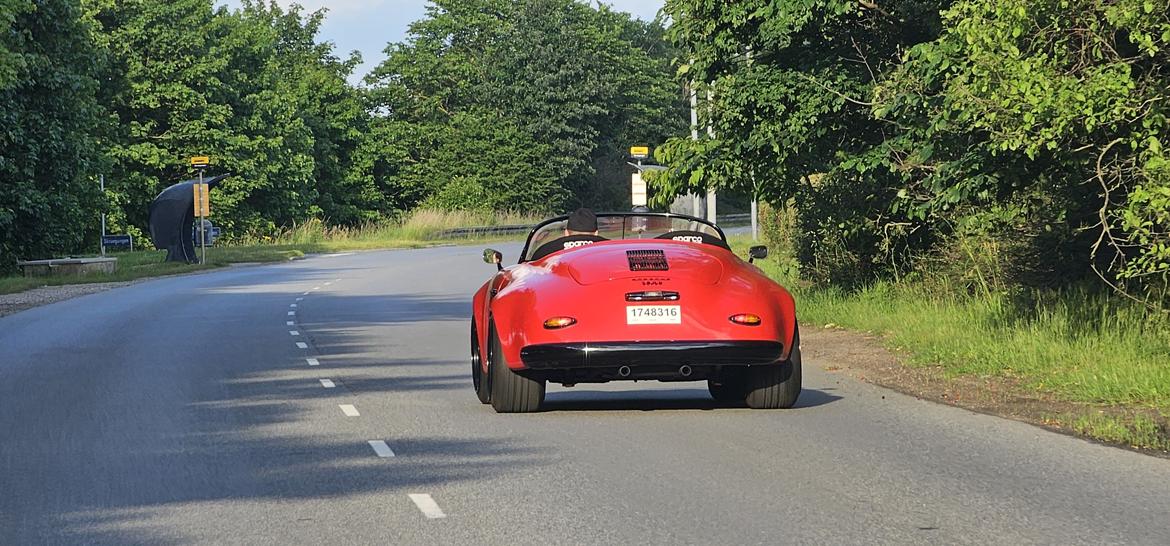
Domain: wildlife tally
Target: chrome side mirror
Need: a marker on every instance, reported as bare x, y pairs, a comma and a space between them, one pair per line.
491, 256
758, 252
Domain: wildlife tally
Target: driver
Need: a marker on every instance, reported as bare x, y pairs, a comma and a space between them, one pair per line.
582, 222
580, 230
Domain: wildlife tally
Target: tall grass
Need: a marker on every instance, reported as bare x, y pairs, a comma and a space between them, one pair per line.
419, 226
1081, 344
418, 229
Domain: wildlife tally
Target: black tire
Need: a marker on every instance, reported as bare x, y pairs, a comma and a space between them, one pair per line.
510, 391
776, 386
730, 387
478, 378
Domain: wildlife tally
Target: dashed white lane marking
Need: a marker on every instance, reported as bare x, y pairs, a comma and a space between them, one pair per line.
349, 410
304, 293
337, 255
293, 333
428, 506
300, 299
335, 280
290, 323
381, 449
328, 283
302, 345
316, 288
328, 383
313, 361
293, 305
292, 313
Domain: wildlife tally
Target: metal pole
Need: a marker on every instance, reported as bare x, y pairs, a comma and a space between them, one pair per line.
755, 219
696, 202
103, 183
711, 133
202, 231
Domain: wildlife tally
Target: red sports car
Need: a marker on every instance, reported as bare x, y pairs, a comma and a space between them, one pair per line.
648, 296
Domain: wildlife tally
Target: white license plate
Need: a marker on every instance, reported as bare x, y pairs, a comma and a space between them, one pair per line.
653, 314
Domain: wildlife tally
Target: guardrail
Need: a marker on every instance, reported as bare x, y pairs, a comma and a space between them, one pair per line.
480, 231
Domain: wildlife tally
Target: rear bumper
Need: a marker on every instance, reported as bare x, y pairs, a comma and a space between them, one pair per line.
563, 356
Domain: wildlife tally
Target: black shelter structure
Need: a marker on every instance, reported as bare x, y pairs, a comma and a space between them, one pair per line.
172, 219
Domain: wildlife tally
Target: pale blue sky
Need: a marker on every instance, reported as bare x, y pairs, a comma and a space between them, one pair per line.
368, 25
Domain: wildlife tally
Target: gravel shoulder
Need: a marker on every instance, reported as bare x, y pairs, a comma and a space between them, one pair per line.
862, 356
45, 295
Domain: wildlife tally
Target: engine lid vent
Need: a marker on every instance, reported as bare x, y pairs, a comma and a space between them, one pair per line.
647, 260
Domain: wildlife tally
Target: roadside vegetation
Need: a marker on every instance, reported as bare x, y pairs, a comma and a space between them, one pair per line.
424, 227
1107, 355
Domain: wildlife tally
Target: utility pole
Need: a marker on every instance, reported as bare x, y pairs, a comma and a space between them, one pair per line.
696, 201
711, 134
103, 186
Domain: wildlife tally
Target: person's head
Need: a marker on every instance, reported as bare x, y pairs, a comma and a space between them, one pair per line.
582, 222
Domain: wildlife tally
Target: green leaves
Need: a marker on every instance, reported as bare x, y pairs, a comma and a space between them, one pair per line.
578, 84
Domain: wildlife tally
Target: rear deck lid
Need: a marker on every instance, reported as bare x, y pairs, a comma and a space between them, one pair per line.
665, 261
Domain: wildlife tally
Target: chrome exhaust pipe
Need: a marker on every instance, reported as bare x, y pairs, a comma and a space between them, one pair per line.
685, 370
624, 371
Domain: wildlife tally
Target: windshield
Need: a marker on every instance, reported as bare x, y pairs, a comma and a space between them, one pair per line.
621, 226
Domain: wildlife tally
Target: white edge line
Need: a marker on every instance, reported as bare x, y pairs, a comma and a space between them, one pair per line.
381, 449
428, 506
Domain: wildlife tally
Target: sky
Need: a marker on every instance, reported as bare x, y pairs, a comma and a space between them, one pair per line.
368, 25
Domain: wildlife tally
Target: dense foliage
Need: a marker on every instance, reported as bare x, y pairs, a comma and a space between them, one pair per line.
524, 104
1014, 142
48, 123
488, 105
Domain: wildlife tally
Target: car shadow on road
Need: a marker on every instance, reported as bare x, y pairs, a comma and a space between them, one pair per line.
656, 399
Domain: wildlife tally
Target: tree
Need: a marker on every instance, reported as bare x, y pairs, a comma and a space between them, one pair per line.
48, 152
554, 75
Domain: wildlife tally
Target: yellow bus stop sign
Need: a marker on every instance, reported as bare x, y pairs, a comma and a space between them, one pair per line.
640, 152
200, 161
202, 200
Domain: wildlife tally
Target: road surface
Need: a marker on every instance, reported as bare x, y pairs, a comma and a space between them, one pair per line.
327, 401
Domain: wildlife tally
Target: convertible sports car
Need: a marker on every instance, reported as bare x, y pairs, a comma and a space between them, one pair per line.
648, 297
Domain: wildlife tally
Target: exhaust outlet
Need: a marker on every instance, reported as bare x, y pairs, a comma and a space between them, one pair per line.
624, 371
685, 370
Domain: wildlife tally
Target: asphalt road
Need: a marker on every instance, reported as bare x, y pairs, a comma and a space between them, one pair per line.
183, 411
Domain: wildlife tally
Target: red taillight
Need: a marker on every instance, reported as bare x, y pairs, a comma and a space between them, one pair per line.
746, 319
556, 323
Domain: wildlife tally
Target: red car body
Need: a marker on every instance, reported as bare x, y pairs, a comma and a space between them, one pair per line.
646, 308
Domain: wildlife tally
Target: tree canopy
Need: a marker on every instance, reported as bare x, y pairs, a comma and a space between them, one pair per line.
904, 131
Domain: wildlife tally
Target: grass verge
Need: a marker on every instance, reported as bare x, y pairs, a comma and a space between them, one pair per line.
420, 229
1106, 361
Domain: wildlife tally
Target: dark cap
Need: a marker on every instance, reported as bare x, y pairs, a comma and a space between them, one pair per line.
582, 220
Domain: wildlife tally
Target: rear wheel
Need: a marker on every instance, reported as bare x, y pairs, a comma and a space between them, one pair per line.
510, 391
478, 378
771, 387
729, 387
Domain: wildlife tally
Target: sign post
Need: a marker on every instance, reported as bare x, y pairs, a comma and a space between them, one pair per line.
637, 185
202, 203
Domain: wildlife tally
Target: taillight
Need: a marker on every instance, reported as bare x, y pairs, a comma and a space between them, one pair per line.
746, 319
556, 323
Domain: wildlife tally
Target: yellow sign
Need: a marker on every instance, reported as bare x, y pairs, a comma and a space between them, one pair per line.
202, 200
640, 152
200, 161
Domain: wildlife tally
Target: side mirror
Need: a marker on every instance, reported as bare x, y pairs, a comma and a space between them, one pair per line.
758, 252
491, 256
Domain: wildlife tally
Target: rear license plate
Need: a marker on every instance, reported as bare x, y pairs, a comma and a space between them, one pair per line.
653, 314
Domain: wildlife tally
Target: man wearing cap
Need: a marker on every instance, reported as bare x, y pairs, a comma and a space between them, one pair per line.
580, 230
582, 222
